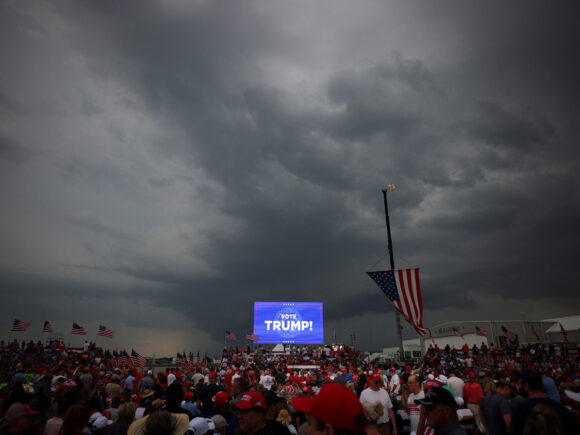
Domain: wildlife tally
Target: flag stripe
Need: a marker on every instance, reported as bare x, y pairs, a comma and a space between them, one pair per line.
418, 297
402, 289
406, 305
413, 295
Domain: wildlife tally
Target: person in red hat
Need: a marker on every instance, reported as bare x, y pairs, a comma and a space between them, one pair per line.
473, 395
374, 394
334, 410
252, 414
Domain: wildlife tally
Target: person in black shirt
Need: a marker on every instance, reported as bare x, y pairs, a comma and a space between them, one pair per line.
207, 393
252, 414
274, 404
538, 407
173, 399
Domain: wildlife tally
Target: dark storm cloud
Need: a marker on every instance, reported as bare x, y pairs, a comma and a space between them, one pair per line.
501, 128
93, 223
223, 153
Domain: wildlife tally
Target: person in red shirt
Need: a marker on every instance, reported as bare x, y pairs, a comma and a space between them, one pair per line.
473, 395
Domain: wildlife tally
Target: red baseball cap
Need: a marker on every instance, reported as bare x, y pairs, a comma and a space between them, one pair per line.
213, 374
376, 377
307, 389
334, 404
253, 399
221, 398
431, 383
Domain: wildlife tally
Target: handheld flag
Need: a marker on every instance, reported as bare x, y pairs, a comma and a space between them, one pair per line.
123, 359
137, 360
47, 327
105, 332
20, 326
403, 290
480, 332
252, 337
508, 334
78, 329
391, 186
230, 336
457, 333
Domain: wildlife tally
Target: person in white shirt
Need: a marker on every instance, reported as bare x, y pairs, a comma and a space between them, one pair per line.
413, 409
266, 380
456, 384
171, 378
375, 394
395, 382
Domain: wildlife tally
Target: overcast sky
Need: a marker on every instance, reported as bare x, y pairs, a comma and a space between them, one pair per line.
164, 164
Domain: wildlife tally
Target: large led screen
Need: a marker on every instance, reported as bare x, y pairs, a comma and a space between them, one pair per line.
288, 322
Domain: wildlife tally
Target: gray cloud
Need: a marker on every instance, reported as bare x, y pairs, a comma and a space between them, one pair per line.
196, 157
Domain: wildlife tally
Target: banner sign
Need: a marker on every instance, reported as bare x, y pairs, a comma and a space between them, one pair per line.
288, 322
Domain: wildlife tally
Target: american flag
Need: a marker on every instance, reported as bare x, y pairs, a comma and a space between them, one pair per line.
354, 343
105, 332
403, 290
114, 357
123, 359
457, 333
564, 333
137, 360
78, 329
391, 186
508, 334
20, 326
480, 332
47, 327
230, 336
536, 334
252, 337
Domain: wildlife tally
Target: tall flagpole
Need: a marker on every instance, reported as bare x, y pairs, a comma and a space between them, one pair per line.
390, 248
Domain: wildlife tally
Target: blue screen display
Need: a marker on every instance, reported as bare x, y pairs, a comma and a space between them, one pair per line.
288, 322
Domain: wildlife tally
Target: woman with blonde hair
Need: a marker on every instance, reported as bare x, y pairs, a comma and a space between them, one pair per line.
284, 418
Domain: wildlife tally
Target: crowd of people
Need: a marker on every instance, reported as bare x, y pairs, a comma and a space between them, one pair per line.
312, 390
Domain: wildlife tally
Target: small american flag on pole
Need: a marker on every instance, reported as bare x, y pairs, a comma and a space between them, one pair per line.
137, 360
403, 290
252, 337
354, 343
457, 333
230, 336
78, 329
47, 327
20, 326
123, 359
105, 332
508, 334
391, 186
479, 332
